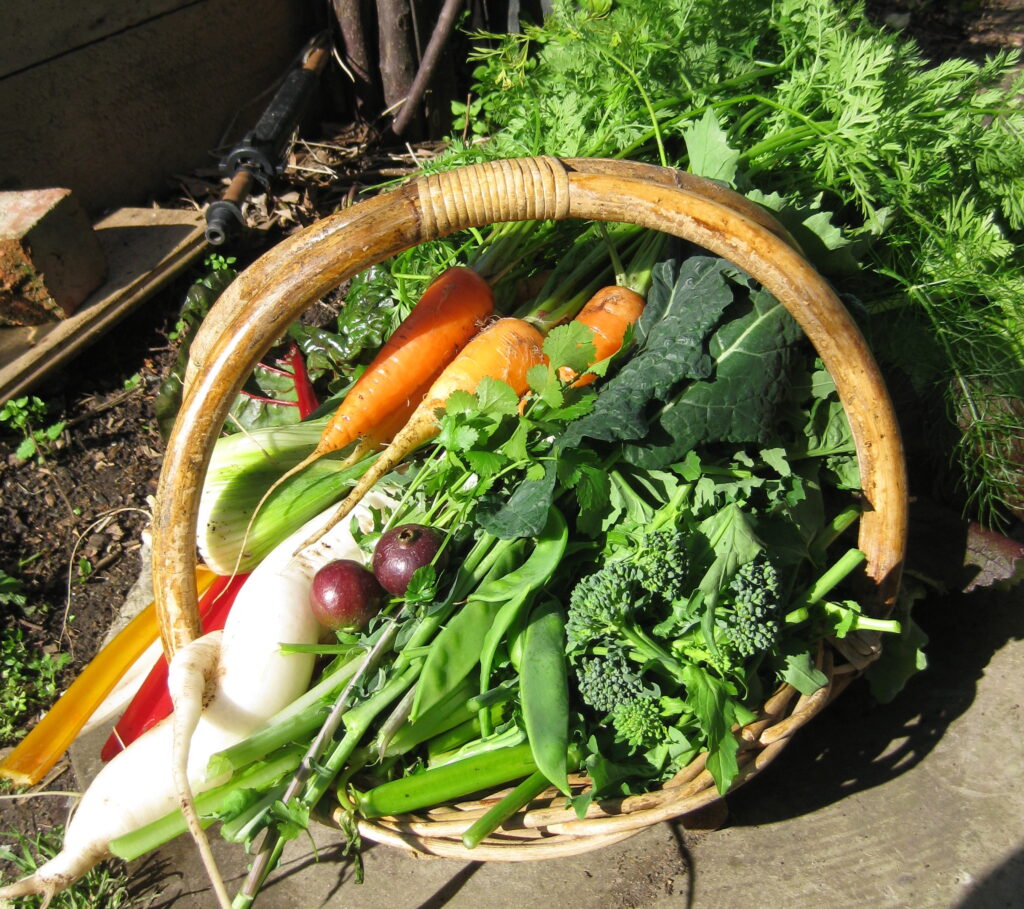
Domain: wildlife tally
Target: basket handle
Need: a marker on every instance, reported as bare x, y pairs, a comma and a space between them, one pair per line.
235, 297
275, 290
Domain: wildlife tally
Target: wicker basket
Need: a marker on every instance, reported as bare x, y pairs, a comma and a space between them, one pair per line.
274, 291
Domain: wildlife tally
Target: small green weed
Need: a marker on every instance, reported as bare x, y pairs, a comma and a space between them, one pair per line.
217, 262
11, 591
26, 415
28, 679
220, 273
105, 885
85, 570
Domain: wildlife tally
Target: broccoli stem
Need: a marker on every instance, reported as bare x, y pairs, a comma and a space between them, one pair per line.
839, 616
652, 652
850, 560
862, 622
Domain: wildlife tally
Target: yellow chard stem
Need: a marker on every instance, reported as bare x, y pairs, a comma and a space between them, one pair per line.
36, 754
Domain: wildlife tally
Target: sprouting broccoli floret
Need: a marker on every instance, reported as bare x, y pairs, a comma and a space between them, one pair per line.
639, 721
752, 622
607, 681
604, 604
660, 564
600, 603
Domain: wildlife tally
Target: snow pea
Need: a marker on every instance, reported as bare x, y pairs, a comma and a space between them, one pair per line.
455, 650
538, 569
475, 631
544, 691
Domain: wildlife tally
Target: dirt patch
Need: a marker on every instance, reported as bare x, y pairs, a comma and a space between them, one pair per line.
71, 524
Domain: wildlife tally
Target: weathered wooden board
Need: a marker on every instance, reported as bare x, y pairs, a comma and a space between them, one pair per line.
144, 248
69, 26
116, 119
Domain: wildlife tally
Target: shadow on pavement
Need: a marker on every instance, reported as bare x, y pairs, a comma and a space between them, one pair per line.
857, 744
1001, 888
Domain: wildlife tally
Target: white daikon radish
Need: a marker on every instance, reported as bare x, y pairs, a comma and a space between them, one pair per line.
252, 681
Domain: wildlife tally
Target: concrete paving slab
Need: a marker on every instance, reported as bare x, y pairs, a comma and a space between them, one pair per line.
916, 803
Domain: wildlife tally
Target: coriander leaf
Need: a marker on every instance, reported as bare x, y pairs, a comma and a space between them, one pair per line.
496, 398
538, 377
291, 819
570, 345
455, 435
422, 588
483, 463
514, 447
461, 402
545, 384
572, 410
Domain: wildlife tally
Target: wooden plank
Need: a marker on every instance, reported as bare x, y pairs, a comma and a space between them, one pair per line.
145, 247
116, 120
49, 28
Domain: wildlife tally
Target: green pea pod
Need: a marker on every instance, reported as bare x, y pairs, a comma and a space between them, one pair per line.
443, 784
532, 576
467, 636
544, 691
456, 648
535, 570
453, 654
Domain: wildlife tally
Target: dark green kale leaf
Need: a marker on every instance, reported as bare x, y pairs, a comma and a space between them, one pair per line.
682, 310
752, 355
524, 512
711, 365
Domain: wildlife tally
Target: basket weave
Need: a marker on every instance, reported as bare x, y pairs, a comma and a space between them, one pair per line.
275, 290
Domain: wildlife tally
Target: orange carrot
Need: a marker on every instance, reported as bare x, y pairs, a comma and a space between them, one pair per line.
608, 314
445, 318
449, 313
505, 350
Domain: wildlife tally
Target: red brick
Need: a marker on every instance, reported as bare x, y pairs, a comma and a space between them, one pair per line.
50, 258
